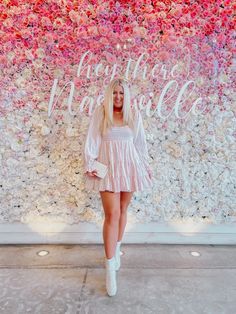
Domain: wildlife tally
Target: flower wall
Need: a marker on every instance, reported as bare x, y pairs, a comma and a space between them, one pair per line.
56, 59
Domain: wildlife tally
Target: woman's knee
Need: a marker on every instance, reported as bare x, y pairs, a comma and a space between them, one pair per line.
111, 205
112, 216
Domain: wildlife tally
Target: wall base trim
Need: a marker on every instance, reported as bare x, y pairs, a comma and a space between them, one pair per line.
87, 233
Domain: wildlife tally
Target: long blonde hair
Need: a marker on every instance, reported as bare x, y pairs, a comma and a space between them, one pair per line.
128, 113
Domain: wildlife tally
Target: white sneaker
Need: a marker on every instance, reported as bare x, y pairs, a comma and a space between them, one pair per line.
111, 276
117, 255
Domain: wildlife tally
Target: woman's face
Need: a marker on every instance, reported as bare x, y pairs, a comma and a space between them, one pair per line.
118, 96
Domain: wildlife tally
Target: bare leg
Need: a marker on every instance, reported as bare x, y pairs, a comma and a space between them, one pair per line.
111, 205
125, 198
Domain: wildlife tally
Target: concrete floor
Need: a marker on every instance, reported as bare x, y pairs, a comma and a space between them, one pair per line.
153, 278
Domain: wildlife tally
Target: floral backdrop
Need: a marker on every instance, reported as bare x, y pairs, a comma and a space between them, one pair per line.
56, 58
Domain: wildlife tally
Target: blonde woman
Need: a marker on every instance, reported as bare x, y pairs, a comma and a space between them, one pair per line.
116, 138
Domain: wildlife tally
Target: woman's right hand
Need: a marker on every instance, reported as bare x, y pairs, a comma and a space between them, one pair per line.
92, 173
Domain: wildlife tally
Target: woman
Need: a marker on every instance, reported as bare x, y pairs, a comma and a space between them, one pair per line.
117, 139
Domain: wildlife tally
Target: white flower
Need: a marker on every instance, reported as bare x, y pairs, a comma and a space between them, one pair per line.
11, 162
45, 130
40, 52
41, 168
27, 73
70, 132
200, 80
173, 149
20, 82
15, 146
213, 98
223, 78
58, 73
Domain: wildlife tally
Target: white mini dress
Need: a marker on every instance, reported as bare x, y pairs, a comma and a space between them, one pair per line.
123, 150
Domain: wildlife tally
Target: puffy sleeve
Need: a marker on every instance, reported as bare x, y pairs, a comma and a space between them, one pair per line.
93, 139
140, 141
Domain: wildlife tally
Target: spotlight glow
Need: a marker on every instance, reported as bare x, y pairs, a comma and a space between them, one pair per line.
42, 253
195, 254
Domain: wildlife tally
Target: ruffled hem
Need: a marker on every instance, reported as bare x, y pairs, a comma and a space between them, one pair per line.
121, 185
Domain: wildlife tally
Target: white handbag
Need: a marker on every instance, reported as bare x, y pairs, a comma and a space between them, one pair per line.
101, 169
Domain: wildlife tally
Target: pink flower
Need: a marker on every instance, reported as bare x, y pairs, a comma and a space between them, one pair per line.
46, 22
3, 61
103, 30
110, 57
92, 31
73, 16
163, 55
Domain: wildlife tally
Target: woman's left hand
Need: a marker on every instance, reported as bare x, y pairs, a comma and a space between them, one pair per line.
92, 173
